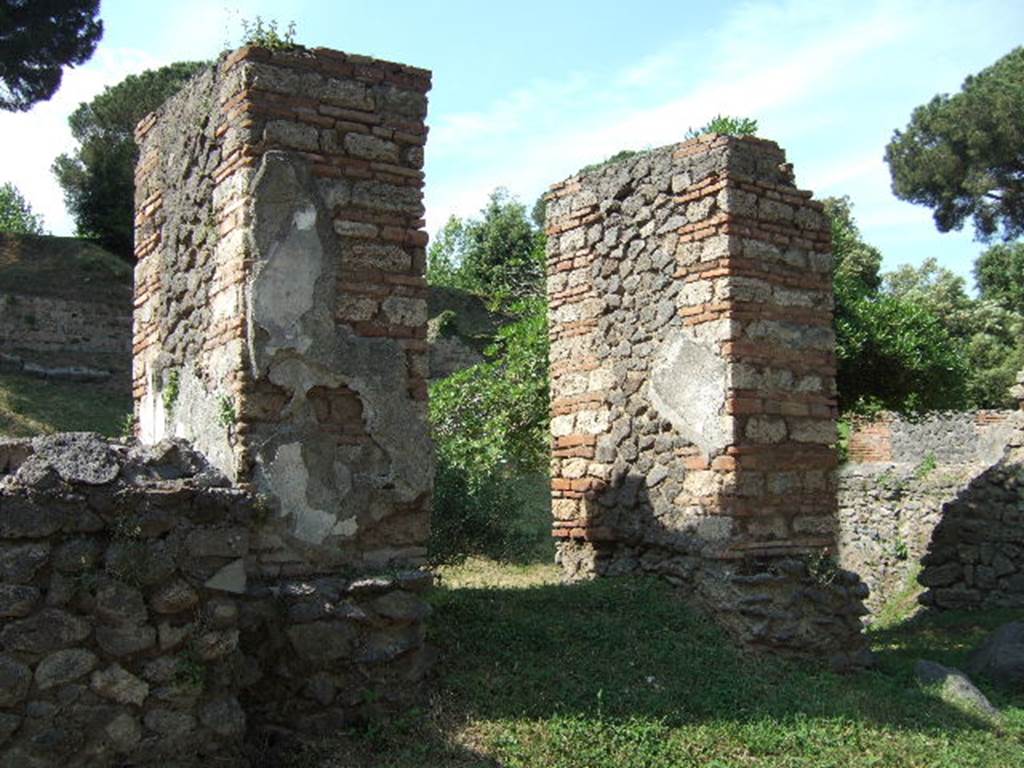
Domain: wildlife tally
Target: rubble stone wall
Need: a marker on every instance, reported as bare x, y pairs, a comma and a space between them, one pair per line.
692, 384
150, 613
938, 501
60, 338
280, 321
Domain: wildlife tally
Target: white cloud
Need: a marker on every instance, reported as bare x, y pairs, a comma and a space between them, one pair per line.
774, 59
33, 139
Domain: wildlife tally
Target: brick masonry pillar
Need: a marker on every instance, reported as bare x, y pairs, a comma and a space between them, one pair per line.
280, 304
693, 384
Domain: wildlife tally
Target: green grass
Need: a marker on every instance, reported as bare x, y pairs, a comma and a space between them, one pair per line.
31, 406
621, 673
64, 267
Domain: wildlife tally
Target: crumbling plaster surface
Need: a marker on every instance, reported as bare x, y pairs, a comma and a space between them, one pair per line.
294, 343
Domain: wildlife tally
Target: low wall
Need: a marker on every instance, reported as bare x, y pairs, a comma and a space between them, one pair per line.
65, 309
940, 501
150, 611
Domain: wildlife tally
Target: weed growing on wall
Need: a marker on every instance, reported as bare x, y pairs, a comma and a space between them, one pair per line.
727, 125
172, 387
265, 34
926, 467
226, 415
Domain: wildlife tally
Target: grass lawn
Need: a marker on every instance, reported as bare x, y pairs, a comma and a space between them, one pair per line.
621, 673
31, 406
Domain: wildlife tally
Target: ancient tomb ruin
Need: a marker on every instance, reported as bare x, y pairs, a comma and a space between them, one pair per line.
161, 604
280, 317
693, 392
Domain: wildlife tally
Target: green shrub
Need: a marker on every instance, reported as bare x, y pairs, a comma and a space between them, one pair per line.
490, 426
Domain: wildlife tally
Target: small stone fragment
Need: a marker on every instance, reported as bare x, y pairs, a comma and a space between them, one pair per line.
168, 723
225, 717
117, 684
64, 667
124, 733
125, 640
955, 688
17, 601
175, 597
15, 679
230, 578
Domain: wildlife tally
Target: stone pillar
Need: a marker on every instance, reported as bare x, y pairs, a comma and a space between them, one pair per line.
693, 387
280, 321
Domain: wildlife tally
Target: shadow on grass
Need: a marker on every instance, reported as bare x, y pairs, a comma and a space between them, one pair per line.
623, 667
631, 647
947, 637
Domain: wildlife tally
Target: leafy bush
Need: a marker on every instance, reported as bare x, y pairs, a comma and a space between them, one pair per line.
499, 256
490, 426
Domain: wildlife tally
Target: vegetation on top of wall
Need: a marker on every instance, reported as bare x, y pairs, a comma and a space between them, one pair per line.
622, 154
266, 34
727, 125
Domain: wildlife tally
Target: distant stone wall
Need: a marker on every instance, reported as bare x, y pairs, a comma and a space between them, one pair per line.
937, 500
692, 384
151, 614
280, 320
949, 438
62, 338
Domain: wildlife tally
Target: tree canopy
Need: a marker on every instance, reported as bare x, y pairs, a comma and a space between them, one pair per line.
963, 155
98, 176
490, 422
999, 273
893, 351
499, 256
38, 38
16, 214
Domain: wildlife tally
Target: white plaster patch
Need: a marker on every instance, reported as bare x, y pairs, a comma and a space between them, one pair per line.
152, 419
225, 304
288, 480
196, 413
688, 387
305, 218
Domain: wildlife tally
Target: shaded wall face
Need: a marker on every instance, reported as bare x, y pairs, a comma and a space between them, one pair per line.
936, 502
280, 301
150, 615
692, 355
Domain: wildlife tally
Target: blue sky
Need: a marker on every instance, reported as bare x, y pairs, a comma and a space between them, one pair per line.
525, 93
